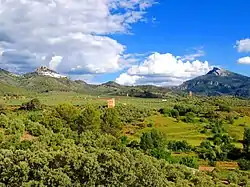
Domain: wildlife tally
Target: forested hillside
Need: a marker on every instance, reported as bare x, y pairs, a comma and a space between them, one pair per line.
85, 145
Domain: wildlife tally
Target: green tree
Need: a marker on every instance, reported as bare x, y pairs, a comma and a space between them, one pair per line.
175, 113
246, 143
111, 122
89, 119
181, 146
67, 112
189, 117
206, 151
152, 139
146, 142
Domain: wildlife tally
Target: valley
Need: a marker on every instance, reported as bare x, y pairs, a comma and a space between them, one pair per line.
54, 123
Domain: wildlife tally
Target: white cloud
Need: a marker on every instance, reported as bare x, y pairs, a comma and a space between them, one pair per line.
243, 45
78, 31
55, 61
163, 69
244, 60
126, 79
193, 56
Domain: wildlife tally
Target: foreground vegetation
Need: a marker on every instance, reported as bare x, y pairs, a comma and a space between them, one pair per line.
141, 142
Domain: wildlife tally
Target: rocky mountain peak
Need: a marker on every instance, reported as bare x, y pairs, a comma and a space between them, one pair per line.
218, 72
44, 71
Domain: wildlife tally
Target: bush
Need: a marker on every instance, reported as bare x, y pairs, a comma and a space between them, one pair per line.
189, 161
14, 126
2, 106
230, 119
129, 113
34, 104
150, 124
35, 129
166, 112
189, 117
111, 123
134, 144
203, 131
152, 139
67, 112
179, 146
89, 119
244, 164
224, 108
203, 120
175, 113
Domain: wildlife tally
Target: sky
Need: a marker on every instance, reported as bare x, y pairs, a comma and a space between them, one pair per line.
132, 42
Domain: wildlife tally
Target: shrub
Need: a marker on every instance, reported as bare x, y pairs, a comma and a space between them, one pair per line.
224, 108
175, 113
189, 117
180, 146
150, 124
165, 112
244, 164
134, 144
35, 128
89, 119
14, 126
203, 120
34, 104
189, 161
111, 123
67, 112
152, 139
230, 119
2, 106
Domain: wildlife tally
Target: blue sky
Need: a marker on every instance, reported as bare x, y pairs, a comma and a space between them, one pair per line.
130, 41
183, 25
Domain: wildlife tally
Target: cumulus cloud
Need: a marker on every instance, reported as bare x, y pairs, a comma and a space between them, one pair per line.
244, 60
70, 36
243, 45
163, 69
198, 53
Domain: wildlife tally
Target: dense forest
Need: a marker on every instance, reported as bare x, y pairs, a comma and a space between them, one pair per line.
66, 145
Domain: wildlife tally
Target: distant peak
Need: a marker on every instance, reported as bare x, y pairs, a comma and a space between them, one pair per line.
219, 72
44, 68
45, 71
112, 84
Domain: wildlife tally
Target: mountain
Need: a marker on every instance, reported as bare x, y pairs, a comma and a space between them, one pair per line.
45, 80
112, 84
42, 80
219, 82
6, 89
44, 71
215, 82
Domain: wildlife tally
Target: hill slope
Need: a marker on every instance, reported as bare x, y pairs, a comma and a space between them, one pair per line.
42, 80
45, 80
215, 82
219, 82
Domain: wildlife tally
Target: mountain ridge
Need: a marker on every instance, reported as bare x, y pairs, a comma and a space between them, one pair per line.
216, 82
219, 82
43, 80
44, 71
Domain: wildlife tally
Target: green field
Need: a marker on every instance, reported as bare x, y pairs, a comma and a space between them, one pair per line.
55, 98
186, 131
174, 130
